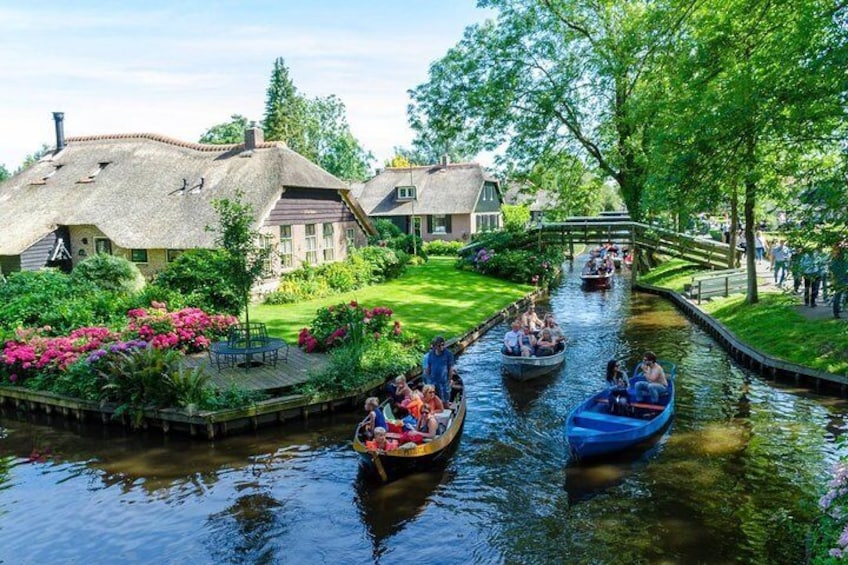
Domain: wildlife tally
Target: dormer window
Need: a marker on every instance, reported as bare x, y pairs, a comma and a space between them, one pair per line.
43, 179
406, 193
94, 173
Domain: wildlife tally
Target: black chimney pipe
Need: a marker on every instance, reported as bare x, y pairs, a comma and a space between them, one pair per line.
59, 118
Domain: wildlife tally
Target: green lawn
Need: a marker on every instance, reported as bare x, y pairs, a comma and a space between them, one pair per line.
775, 326
429, 299
672, 274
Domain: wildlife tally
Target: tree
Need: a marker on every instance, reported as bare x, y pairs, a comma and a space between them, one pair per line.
285, 112
228, 132
330, 139
246, 259
4, 173
554, 77
515, 217
33, 158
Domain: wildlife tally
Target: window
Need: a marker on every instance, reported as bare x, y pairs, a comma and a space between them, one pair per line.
172, 254
94, 173
488, 222
266, 241
102, 245
438, 224
406, 193
488, 192
311, 245
328, 242
285, 246
138, 255
350, 235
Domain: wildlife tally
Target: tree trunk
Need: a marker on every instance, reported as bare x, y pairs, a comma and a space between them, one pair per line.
750, 246
734, 230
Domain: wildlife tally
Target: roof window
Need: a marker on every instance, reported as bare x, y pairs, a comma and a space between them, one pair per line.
94, 173
43, 180
406, 193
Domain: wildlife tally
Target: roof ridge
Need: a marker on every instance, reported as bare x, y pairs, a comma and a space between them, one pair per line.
433, 165
173, 141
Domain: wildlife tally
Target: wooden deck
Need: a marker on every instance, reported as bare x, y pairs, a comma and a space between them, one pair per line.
286, 374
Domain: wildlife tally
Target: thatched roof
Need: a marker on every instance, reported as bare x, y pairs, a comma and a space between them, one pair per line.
536, 199
441, 189
152, 193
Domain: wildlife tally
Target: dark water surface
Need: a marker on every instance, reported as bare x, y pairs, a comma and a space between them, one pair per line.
733, 480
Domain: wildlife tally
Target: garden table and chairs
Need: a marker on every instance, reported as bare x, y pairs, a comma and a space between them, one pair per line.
248, 345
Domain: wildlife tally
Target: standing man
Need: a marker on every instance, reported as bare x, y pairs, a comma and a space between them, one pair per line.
781, 255
438, 368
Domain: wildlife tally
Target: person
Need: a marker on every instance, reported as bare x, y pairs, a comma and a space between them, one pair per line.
431, 400
375, 418
545, 343
655, 383
439, 365
811, 268
527, 343
839, 269
781, 254
427, 425
618, 384
556, 332
531, 319
401, 391
511, 339
380, 443
760, 246
456, 386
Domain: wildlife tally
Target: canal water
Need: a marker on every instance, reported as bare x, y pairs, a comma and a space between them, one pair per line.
734, 479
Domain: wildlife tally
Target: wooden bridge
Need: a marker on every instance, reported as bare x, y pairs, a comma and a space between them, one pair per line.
624, 232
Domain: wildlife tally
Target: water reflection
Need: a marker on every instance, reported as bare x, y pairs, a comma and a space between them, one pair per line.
733, 480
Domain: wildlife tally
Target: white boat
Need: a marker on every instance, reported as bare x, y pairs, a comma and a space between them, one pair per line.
526, 368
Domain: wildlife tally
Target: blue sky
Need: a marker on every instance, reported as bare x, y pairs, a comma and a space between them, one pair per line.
178, 67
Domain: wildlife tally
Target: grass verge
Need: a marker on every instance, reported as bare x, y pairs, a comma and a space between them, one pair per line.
429, 299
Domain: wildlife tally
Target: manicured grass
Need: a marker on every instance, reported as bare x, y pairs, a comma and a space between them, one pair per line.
774, 326
429, 299
672, 274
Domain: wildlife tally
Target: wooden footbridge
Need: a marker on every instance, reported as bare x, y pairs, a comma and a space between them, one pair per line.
643, 239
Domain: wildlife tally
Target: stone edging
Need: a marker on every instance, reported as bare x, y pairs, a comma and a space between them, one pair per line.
749, 357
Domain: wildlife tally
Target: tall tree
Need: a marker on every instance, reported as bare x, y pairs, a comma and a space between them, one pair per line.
33, 158
228, 132
556, 76
4, 173
329, 136
286, 112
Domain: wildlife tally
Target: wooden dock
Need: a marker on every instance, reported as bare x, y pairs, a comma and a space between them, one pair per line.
286, 374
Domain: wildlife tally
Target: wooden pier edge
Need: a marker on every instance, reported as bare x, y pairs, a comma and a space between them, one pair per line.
212, 424
752, 359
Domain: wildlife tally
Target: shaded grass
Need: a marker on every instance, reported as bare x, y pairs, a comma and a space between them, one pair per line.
672, 274
429, 299
775, 326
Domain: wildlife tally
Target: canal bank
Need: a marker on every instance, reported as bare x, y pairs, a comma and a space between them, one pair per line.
19, 401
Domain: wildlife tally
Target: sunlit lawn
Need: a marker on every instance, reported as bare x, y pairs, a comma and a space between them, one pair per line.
429, 299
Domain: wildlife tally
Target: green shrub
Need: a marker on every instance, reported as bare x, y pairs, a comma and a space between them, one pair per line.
516, 217
188, 386
339, 276
139, 379
198, 274
109, 272
232, 397
443, 248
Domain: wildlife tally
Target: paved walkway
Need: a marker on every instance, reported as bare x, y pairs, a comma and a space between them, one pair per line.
823, 309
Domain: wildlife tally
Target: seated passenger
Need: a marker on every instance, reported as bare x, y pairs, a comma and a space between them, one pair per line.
375, 418
545, 344
380, 443
431, 399
618, 383
511, 339
456, 385
556, 332
531, 319
527, 343
413, 403
655, 383
401, 391
427, 425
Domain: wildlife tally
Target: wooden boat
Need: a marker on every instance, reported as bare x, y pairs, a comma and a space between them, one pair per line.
526, 368
592, 430
596, 282
389, 465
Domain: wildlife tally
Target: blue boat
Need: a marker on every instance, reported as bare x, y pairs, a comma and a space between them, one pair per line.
593, 430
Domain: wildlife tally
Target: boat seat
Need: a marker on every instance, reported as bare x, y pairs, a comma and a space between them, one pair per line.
604, 417
644, 405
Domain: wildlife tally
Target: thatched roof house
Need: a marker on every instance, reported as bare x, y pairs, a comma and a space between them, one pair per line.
537, 200
147, 197
451, 201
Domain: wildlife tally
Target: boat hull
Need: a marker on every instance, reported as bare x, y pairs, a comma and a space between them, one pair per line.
526, 368
596, 282
390, 465
593, 431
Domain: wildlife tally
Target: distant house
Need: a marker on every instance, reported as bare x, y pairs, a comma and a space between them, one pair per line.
445, 201
538, 201
148, 198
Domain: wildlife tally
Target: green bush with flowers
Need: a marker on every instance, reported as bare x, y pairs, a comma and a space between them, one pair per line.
517, 257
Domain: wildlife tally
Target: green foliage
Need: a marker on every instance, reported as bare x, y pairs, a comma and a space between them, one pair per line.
200, 277
385, 263
79, 380
4, 173
316, 128
232, 397
51, 298
515, 218
33, 158
443, 248
386, 229
188, 386
513, 256
109, 272
140, 379
228, 132
672, 274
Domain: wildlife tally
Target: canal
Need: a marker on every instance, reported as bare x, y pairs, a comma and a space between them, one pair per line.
734, 479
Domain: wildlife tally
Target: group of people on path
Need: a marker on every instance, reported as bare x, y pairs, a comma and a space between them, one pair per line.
531, 336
